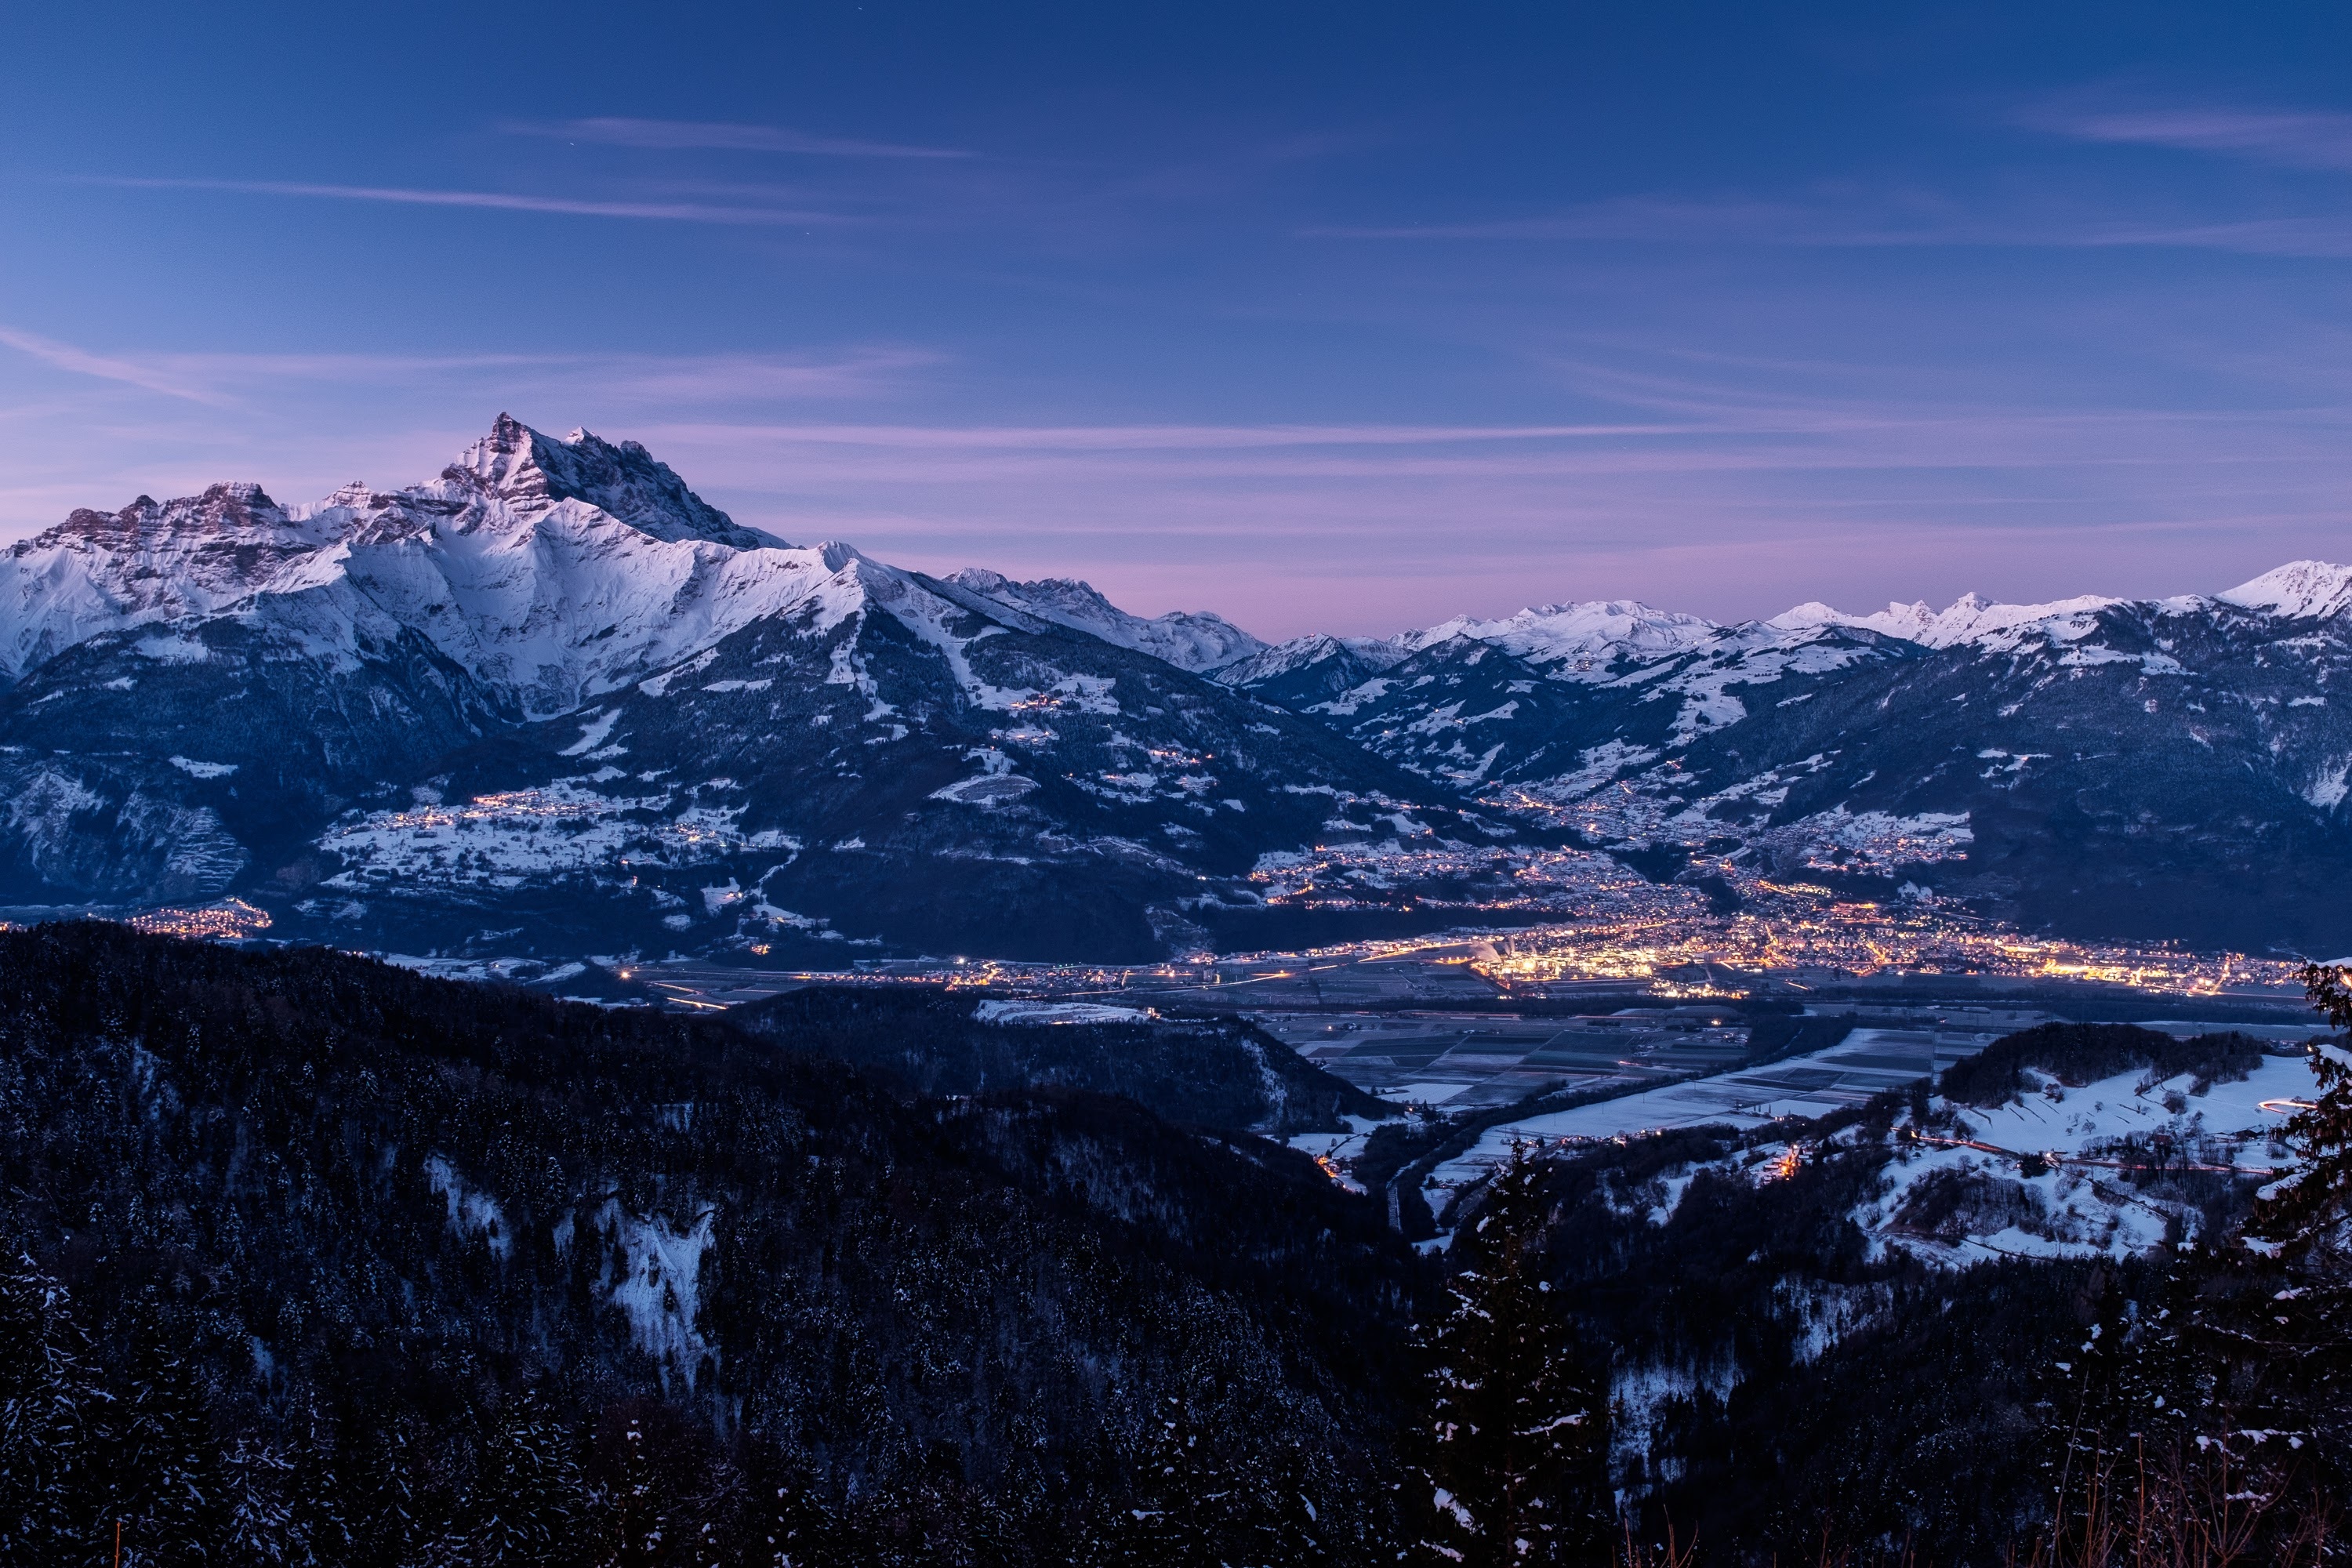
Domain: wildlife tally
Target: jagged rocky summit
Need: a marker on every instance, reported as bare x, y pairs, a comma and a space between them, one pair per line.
553, 701
554, 696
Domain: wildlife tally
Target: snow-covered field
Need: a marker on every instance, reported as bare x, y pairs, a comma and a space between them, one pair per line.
1866, 1063
2082, 1204
2078, 1122
2055, 1171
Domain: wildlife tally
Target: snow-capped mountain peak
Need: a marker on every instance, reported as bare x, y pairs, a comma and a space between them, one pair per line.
151, 561
551, 570
2297, 590
1970, 618
1301, 653
1189, 639
532, 473
1549, 633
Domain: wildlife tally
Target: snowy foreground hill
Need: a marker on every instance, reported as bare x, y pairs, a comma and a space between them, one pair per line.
551, 698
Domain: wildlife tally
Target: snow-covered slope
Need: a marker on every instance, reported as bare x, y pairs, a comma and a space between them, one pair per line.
2298, 590
1522, 700
1587, 633
1189, 639
150, 561
549, 570
1304, 653
553, 695
1970, 618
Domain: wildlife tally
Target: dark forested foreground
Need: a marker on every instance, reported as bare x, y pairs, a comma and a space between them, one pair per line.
320, 1262
329, 1262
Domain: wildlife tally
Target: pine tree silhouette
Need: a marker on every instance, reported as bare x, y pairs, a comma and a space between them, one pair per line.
2305, 1328
640, 1517
380, 1496
163, 1470
319, 1523
788, 1531
48, 1501
1514, 1460
527, 1500
2309, 1217
1166, 1517
258, 1524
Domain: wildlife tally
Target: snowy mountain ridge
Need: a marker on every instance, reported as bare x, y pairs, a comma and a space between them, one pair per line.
553, 572
2176, 768
1552, 633
1589, 628
559, 570
551, 684
1189, 639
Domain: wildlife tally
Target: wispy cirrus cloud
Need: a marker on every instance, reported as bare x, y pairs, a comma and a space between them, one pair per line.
1175, 437
1718, 493
642, 380
132, 372
1630, 218
2300, 139
1886, 221
719, 136
504, 201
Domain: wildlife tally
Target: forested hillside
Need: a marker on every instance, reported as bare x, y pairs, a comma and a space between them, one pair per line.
323, 1261
314, 1261
1218, 1072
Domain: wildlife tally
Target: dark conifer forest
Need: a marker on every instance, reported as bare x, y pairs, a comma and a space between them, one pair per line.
317, 1260
310, 1260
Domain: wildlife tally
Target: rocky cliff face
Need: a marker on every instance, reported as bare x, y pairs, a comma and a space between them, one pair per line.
552, 690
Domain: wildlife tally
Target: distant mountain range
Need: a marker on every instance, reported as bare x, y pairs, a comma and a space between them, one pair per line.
551, 701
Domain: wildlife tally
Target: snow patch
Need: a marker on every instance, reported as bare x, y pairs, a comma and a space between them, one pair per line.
472, 1211
2328, 789
592, 731
172, 649
656, 1280
1013, 1012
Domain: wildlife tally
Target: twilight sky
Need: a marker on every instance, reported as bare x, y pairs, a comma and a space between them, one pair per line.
1344, 316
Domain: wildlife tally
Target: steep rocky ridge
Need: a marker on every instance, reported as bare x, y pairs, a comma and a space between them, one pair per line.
551, 691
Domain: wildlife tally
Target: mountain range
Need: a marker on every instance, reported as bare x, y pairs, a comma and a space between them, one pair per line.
551, 701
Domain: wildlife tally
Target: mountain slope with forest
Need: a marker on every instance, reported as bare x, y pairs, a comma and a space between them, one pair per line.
314, 1260
311, 1239
554, 694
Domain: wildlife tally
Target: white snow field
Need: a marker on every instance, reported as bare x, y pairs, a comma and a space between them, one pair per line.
1965, 1194
1866, 1063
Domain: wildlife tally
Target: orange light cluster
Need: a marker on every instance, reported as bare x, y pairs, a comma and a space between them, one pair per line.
231, 920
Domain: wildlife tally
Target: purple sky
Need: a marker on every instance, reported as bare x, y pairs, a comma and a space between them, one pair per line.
1345, 318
